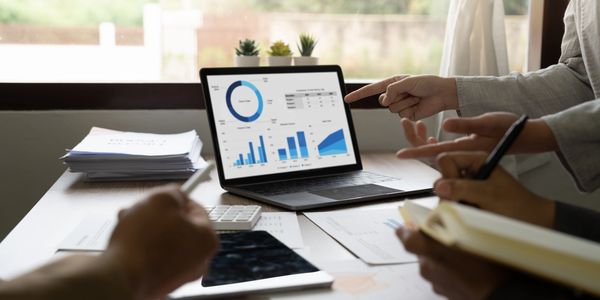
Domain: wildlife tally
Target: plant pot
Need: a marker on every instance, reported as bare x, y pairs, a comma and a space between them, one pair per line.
247, 61
275, 61
306, 61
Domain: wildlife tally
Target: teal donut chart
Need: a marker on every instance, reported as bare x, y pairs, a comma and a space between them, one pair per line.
259, 98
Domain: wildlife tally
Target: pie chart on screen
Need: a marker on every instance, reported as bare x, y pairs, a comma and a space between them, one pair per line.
244, 101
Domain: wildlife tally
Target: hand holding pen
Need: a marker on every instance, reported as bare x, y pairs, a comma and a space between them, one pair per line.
491, 188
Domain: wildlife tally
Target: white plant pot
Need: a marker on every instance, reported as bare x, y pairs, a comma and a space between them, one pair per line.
275, 61
306, 61
247, 61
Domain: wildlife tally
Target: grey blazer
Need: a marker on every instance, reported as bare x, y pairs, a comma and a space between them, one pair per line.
577, 131
575, 79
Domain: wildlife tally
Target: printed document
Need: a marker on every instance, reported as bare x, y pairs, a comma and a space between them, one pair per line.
368, 233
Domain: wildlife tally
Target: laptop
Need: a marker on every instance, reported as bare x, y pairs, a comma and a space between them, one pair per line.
284, 136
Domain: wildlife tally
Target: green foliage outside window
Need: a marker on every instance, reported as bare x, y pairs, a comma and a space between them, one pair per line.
129, 12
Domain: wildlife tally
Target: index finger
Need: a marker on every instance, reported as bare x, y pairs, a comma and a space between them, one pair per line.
371, 89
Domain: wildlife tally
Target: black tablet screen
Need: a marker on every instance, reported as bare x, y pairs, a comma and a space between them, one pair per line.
253, 255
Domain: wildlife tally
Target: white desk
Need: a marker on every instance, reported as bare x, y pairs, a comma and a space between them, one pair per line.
34, 240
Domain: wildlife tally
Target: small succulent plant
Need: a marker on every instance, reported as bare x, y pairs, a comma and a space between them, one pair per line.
307, 44
247, 47
279, 48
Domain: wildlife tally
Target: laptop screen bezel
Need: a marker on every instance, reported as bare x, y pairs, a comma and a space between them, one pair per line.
205, 72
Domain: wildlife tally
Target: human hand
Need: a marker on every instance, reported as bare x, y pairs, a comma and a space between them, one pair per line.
416, 133
161, 243
485, 132
413, 97
451, 272
500, 193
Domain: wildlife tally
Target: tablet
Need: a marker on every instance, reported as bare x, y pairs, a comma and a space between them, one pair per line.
253, 255
254, 262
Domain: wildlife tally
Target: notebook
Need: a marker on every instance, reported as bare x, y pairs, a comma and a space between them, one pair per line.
553, 255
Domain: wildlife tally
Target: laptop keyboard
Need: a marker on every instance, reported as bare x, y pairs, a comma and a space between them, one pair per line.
316, 184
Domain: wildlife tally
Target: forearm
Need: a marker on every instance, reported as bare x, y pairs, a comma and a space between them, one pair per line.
74, 277
536, 137
536, 94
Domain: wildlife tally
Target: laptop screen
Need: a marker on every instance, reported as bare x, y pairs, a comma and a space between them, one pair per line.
280, 122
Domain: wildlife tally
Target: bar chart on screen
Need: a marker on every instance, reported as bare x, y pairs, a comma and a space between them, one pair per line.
258, 156
296, 147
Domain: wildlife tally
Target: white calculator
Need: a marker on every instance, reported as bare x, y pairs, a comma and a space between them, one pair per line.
233, 217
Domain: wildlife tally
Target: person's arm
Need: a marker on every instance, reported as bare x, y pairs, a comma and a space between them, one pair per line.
73, 277
158, 245
482, 134
537, 93
577, 132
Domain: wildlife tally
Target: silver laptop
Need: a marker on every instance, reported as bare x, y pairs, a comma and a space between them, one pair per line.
284, 136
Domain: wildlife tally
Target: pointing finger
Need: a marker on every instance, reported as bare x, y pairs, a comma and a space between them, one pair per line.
371, 89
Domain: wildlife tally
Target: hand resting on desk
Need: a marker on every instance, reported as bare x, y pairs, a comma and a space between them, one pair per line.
159, 244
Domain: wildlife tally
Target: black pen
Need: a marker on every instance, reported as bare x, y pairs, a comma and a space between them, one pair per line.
496, 155
503, 145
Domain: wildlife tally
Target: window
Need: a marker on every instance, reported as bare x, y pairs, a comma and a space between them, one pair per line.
169, 40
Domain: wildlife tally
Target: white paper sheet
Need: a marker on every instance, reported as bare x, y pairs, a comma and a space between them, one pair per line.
101, 140
92, 234
94, 231
368, 233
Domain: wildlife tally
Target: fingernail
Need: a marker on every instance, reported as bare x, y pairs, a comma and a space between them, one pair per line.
442, 189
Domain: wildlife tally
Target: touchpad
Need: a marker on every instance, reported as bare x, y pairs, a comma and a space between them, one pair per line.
356, 191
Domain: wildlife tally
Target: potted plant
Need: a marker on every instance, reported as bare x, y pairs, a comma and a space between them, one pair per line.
305, 47
247, 54
280, 54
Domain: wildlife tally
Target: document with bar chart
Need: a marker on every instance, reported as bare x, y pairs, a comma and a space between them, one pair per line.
274, 123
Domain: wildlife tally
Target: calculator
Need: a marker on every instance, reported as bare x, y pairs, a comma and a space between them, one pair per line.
233, 217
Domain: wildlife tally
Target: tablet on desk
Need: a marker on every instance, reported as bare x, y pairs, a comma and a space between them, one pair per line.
254, 262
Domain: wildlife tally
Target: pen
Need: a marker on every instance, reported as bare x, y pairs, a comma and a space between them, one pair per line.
503, 145
193, 181
494, 157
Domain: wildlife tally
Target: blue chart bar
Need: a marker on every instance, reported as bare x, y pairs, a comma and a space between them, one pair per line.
302, 144
292, 149
282, 154
240, 161
333, 144
292, 146
251, 155
261, 150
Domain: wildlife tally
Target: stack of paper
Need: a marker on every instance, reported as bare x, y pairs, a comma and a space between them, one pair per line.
115, 155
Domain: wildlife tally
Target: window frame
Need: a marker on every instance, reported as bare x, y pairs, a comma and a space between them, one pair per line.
119, 96
131, 96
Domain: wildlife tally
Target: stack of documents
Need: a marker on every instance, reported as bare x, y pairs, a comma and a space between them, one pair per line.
107, 155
